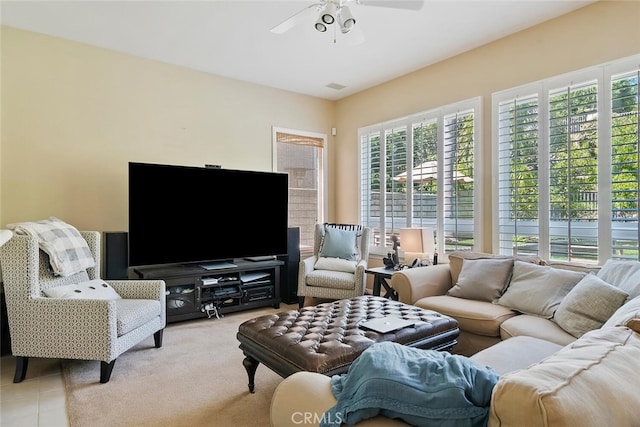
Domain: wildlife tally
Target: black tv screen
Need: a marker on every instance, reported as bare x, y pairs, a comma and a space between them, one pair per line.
183, 214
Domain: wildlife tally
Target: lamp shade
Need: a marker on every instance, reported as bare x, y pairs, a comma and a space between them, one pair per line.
417, 240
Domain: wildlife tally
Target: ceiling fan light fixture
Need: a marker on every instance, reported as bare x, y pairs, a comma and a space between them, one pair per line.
320, 26
328, 14
347, 21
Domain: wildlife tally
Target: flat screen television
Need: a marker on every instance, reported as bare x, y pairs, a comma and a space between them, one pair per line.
184, 214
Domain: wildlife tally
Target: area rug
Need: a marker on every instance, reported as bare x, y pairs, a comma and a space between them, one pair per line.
195, 379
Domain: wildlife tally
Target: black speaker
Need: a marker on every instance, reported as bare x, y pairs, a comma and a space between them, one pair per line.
116, 255
289, 272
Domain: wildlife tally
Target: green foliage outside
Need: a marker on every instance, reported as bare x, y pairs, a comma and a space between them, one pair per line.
459, 193
573, 160
573, 165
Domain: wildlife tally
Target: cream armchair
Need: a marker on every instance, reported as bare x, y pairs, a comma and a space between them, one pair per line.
86, 329
325, 275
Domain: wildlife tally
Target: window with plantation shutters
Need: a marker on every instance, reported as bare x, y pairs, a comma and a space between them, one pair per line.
395, 163
300, 155
371, 184
418, 171
518, 191
567, 156
458, 179
573, 172
625, 165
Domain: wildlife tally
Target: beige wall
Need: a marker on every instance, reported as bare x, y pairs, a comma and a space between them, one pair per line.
73, 116
589, 36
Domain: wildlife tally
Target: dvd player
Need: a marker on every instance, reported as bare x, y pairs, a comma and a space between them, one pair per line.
261, 258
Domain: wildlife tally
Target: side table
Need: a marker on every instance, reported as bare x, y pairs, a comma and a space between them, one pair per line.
380, 277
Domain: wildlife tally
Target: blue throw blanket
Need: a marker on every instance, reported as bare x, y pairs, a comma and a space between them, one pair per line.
420, 387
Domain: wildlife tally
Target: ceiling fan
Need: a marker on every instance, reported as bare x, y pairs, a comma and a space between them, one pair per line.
338, 12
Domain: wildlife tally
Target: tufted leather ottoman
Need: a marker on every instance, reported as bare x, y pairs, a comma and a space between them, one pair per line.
326, 338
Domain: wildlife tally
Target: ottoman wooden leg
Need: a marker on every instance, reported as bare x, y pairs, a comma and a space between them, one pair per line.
251, 364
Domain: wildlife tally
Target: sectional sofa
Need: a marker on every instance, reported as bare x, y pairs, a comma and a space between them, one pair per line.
564, 338
471, 288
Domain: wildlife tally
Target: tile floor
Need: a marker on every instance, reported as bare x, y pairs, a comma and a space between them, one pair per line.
38, 401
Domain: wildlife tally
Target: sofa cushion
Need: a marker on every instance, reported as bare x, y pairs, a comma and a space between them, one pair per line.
482, 279
535, 326
591, 382
478, 317
336, 264
588, 305
456, 259
515, 353
91, 289
623, 274
538, 290
628, 315
339, 243
133, 313
331, 279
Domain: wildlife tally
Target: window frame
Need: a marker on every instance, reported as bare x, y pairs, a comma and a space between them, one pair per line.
602, 76
321, 177
472, 105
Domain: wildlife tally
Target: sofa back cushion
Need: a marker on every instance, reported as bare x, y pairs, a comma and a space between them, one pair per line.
339, 243
482, 279
623, 274
538, 290
456, 259
574, 266
588, 305
589, 382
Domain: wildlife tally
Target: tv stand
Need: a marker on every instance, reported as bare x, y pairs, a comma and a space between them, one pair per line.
196, 291
219, 265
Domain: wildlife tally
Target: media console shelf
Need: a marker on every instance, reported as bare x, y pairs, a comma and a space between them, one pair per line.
194, 291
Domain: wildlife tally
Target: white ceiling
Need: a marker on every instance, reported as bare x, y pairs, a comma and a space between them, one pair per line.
233, 38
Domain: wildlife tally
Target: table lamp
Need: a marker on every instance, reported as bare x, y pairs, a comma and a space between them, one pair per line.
418, 245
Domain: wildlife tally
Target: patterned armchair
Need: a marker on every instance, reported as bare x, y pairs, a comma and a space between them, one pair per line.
86, 329
333, 272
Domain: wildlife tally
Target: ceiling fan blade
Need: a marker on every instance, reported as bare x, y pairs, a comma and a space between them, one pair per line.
294, 20
395, 4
